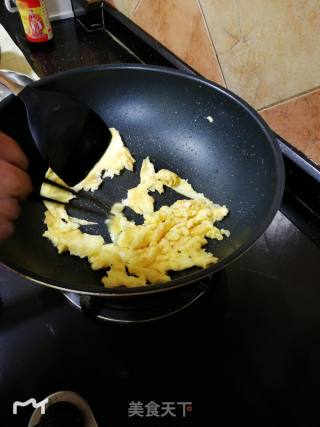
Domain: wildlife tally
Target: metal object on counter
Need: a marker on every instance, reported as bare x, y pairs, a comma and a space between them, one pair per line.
54, 416
89, 13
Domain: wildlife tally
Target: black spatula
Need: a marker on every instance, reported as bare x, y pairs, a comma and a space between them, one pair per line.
70, 137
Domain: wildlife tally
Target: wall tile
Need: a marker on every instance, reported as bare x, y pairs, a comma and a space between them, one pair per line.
298, 121
179, 25
269, 50
127, 7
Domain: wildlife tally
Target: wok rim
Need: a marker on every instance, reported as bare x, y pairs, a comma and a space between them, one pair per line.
197, 275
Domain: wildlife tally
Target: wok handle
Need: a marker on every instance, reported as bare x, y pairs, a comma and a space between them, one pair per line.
10, 84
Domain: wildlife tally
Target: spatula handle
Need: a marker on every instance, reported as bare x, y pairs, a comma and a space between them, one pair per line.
10, 84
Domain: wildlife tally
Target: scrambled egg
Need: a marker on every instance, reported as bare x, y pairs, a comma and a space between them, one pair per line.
170, 239
141, 202
115, 159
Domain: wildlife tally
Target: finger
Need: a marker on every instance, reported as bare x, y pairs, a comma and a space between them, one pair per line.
6, 229
10, 208
14, 181
11, 152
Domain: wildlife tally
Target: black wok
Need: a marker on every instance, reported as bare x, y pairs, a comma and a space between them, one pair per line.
160, 113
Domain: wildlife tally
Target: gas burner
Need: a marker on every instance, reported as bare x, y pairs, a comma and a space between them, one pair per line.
140, 309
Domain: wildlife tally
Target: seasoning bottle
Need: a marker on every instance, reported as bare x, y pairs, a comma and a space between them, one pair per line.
35, 20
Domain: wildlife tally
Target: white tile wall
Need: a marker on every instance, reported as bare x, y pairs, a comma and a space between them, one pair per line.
59, 9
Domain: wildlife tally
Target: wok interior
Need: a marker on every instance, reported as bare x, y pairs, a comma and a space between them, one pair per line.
164, 116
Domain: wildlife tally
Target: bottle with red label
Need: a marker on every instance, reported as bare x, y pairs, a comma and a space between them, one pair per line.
35, 20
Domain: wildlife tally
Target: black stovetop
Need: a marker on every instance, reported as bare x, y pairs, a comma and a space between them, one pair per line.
245, 354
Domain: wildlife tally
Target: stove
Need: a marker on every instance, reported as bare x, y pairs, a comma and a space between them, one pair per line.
141, 309
240, 348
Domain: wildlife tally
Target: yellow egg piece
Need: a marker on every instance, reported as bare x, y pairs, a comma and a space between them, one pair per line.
170, 239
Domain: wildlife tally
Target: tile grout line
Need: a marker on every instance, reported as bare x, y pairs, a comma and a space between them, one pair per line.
135, 9
211, 41
290, 98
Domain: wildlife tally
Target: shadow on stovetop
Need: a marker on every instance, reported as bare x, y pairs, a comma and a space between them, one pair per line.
27, 306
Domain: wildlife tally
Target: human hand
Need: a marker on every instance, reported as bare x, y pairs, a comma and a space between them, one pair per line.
15, 183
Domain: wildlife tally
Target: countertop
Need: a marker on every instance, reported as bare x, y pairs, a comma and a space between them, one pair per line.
72, 46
